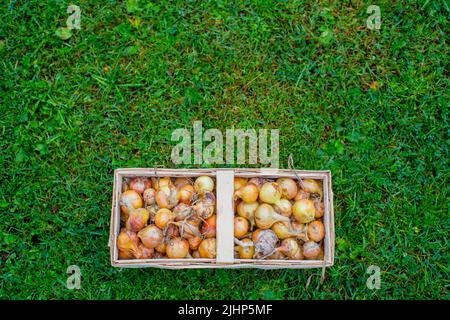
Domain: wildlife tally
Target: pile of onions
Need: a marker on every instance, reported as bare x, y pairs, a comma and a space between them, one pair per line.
278, 219
167, 218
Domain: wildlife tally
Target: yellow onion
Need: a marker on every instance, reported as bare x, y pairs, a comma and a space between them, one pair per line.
241, 227
316, 231
129, 200
186, 193
137, 219
167, 197
265, 216
277, 255
182, 211
194, 243
285, 230
246, 251
144, 252
312, 186
205, 207
291, 249
247, 210
264, 242
270, 193
248, 193
209, 227
239, 182
177, 248
196, 254
318, 204
139, 184
311, 250
203, 184
303, 210
161, 248
163, 217
288, 188
149, 196
127, 241
207, 248
125, 255
181, 182
151, 236
162, 182
284, 207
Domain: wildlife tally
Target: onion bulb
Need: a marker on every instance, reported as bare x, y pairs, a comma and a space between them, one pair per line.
162, 182
264, 241
151, 236
247, 251
161, 248
149, 196
163, 217
318, 204
167, 197
270, 192
277, 255
239, 182
206, 205
304, 211
311, 250
265, 216
207, 248
284, 207
186, 193
284, 230
195, 254
316, 231
144, 252
177, 248
203, 184
181, 182
127, 241
139, 184
209, 227
194, 243
182, 211
129, 200
248, 193
137, 219
312, 186
290, 248
241, 227
247, 210
125, 255
288, 188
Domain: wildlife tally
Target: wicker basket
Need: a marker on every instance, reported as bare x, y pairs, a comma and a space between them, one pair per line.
225, 215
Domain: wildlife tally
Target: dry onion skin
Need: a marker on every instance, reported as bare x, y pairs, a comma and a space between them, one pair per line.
128, 201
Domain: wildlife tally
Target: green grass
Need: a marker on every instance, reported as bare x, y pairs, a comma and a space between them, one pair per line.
67, 122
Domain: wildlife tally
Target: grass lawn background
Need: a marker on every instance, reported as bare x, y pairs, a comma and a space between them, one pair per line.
371, 106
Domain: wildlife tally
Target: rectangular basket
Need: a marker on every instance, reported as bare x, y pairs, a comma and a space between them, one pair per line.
225, 216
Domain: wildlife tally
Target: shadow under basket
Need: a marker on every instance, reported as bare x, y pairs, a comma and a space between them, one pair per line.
225, 219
